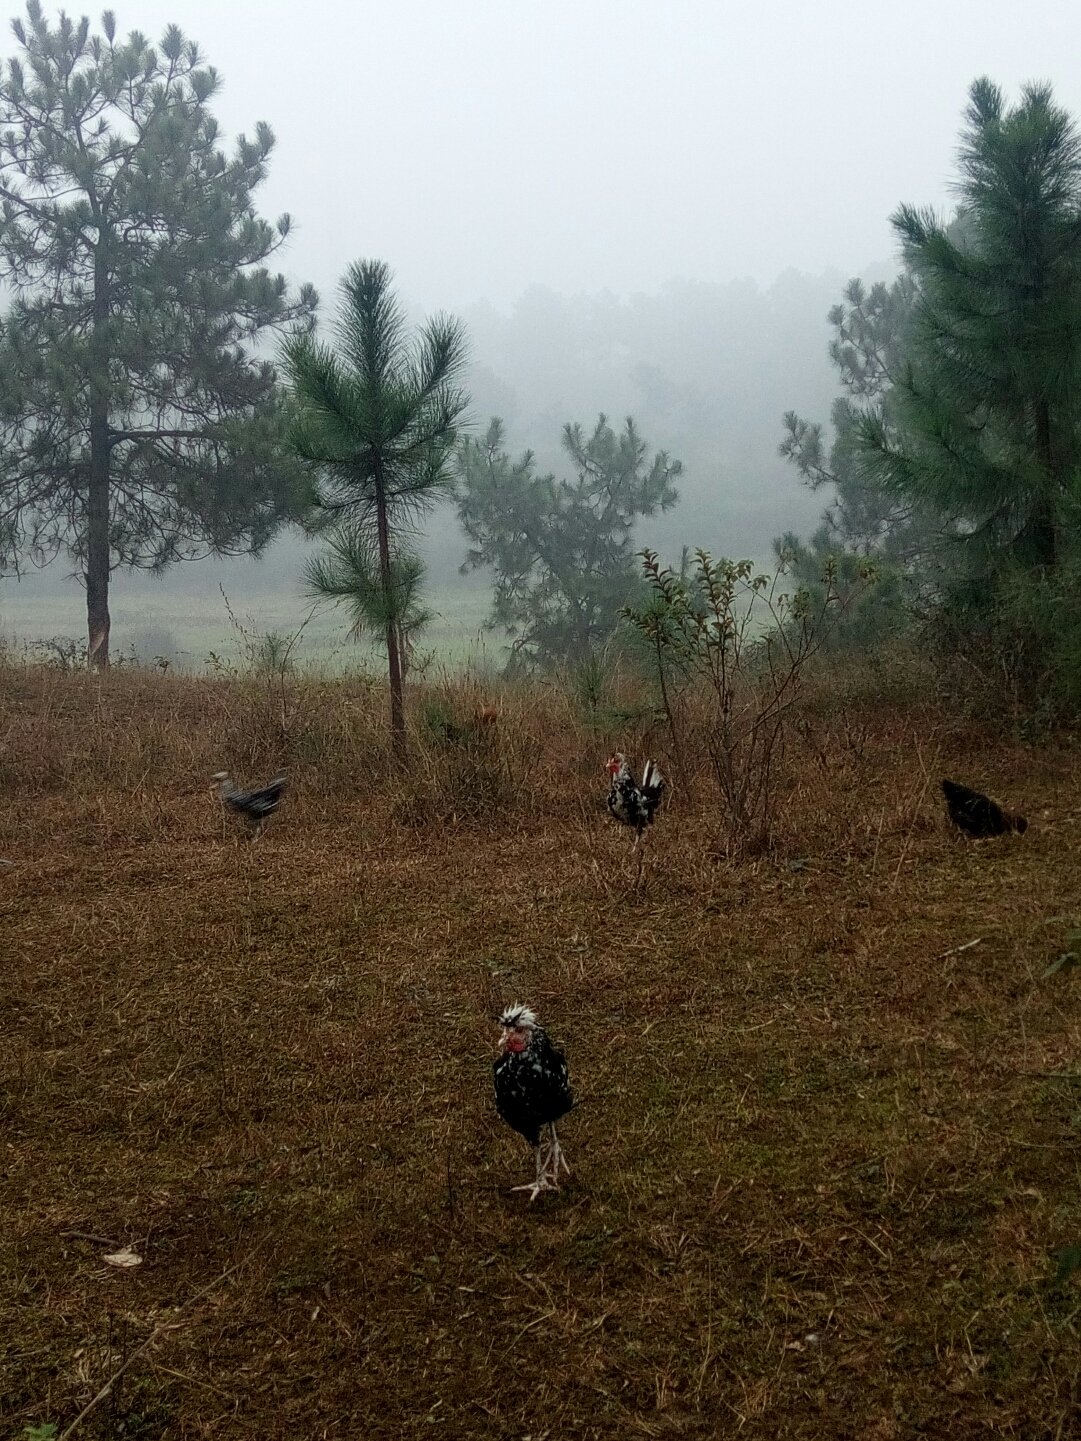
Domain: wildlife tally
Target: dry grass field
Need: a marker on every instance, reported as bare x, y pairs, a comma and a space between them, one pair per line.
826, 1154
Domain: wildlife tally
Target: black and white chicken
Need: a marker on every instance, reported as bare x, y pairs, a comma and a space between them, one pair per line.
256, 807
532, 1091
632, 804
977, 815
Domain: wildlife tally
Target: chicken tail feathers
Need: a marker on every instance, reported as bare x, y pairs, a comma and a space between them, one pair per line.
652, 780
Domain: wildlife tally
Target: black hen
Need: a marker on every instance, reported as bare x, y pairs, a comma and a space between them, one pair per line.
631, 804
255, 806
977, 815
532, 1091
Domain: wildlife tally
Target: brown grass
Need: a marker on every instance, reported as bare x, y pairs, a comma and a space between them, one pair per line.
824, 1158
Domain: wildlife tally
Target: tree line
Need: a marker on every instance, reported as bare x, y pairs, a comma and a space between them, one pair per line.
165, 395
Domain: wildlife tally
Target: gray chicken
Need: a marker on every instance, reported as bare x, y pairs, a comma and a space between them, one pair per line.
256, 807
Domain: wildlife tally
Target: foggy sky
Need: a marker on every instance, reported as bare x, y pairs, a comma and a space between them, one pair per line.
501, 154
481, 146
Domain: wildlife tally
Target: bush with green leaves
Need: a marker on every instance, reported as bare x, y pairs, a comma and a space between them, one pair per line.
744, 642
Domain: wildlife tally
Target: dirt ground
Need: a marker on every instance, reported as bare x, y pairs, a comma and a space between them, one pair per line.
825, 1161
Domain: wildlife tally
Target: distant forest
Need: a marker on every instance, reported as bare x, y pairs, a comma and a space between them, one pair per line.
706, 370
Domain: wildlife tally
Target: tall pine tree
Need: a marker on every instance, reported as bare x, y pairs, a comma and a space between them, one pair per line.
138, 424
983, 422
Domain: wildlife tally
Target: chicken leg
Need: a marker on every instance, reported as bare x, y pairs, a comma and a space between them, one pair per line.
542, 1182
558, 1158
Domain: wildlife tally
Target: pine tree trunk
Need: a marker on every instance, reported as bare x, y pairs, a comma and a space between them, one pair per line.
394, 660
97, 517
1043, 521
97, 541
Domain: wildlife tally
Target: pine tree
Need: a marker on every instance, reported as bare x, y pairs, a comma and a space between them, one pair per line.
562, 551
348, 572
377, 422
138, 425
865, 519
867, 351
983, 424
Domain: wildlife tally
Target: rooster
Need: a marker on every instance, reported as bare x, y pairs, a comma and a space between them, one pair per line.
532, 1091
629, 803
978, 816
255, 806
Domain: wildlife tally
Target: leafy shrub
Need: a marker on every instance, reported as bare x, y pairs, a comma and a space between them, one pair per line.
746, 643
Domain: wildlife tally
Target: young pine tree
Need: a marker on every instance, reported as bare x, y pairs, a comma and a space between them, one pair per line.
865, 520
562, 552
377, 423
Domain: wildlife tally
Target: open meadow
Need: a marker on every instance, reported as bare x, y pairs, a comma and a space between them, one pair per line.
825, 1164
210, 632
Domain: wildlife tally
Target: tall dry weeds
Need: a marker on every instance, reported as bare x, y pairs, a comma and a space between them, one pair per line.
147, 742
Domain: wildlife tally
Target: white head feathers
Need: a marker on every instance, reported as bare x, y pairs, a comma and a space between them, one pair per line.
518, 1017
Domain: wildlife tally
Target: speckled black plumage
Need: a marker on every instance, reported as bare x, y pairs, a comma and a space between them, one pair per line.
976, 814
633, 804
532, 1087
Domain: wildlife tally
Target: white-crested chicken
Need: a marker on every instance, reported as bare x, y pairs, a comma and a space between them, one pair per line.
532, 1091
